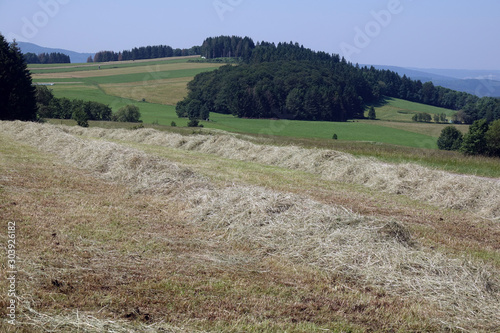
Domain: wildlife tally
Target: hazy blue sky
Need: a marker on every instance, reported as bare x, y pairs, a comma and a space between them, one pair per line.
459, 34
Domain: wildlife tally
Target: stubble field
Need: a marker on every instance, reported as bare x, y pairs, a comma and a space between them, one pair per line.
140, 230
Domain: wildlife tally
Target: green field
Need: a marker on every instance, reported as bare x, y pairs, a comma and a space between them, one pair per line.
155, 87
400, 110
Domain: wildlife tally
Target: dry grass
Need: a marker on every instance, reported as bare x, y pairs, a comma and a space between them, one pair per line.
168, 91
474, 194
373, 252
375, 273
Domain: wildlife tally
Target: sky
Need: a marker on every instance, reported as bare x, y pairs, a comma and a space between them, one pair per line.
450, 34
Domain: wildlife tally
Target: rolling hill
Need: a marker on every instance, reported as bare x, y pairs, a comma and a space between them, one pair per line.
75, 57
480, 83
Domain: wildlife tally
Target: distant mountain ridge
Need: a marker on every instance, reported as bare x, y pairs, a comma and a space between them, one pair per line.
75, 57
481, 83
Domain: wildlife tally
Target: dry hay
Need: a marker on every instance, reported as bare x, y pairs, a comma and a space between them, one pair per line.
109, 160
373, 252
84, 322
474, 194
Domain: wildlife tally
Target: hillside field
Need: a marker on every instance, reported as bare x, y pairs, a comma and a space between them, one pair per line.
244, 225
161, 83
143, 230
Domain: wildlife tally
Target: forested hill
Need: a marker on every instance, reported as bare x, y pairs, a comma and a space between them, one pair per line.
290, 81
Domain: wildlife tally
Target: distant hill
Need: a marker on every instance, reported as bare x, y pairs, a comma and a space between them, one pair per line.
75, 57
478, 82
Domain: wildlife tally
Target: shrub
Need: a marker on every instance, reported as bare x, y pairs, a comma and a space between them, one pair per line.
129, 114
450, 139
193, 123
371, 113
81, 117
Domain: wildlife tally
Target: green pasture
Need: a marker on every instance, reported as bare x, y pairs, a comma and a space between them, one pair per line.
394, 109
393, 127
346, 131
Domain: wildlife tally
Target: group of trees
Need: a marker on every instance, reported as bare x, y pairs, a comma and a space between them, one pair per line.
82, 111
301, 90
424, 117
483, 138
17, 94
145, 52
64, 108
369, 84
47, 58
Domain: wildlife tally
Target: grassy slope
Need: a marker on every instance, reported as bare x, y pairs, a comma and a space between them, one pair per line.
119, 84
400, 110
161, 94
129, 259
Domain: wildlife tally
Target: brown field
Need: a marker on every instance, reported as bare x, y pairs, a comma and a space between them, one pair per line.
136, 230
166, 91
433, 129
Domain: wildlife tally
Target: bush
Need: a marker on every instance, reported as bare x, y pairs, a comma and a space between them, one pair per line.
127, 114
81, 117
450, 139
371, 113
193, 123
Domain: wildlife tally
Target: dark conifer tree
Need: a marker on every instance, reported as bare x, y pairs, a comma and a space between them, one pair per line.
17, 94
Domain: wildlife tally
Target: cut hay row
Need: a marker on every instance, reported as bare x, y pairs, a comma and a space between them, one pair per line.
370, 251
111, 161
373, 252
474, 194
85, 322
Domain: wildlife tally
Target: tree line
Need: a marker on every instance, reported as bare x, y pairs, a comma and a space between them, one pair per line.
49, 106
145, 52
47, 58
369, 83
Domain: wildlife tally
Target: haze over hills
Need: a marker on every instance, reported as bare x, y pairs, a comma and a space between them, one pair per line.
478, 82
76, 57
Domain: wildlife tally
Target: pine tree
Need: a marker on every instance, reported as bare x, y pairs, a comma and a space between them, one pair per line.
17, 95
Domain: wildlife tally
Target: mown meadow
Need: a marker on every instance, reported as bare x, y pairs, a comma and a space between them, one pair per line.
244, 225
